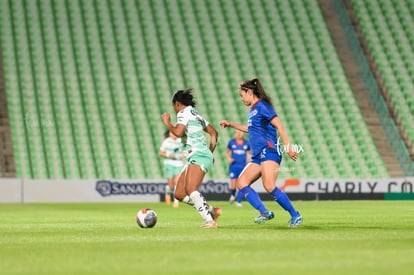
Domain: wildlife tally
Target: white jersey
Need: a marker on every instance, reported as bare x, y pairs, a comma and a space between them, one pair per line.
195, 124
175, 147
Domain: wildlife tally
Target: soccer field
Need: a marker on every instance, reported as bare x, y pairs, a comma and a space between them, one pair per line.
336, 237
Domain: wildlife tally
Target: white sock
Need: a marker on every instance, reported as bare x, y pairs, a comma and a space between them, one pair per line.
167, 190
201, 205
188, 200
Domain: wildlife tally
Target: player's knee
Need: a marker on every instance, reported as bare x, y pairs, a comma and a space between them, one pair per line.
179, 193
269, 187
241, 184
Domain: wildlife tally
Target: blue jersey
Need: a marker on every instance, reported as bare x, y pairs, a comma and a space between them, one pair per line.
262, 134
238, 152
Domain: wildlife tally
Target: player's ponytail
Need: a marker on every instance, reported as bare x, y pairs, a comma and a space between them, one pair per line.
256, 86
185, 97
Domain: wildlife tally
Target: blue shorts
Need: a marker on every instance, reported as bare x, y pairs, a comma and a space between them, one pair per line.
235, 171
267, 154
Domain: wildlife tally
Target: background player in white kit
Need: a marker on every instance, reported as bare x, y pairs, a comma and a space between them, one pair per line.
172, 151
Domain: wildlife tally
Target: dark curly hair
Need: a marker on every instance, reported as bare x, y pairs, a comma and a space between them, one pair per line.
185, 97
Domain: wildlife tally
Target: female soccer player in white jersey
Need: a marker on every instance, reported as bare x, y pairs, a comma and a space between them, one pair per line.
190, 127
171, 150
266, 157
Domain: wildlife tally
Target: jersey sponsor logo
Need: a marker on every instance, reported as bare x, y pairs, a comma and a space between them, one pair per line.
239, 152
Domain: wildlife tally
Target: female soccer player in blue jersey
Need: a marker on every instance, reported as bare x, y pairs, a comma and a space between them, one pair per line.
238, 154
191, 127
266, 157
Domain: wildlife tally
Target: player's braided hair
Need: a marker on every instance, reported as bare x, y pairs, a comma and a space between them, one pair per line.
185, 97
256, 86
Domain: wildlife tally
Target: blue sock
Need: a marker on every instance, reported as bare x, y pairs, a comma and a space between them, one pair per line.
239, 197
233, 192
253, 198
283, 200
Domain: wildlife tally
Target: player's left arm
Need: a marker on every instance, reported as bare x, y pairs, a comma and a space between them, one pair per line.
228, 155
282, 133
213, 136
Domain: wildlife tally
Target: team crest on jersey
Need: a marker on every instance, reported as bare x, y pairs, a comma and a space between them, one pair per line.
251, 114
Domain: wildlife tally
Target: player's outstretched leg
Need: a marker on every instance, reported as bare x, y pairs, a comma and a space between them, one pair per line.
214, 212
283, 200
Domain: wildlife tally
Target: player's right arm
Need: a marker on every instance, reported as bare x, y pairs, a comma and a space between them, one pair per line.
178, 130
227, 124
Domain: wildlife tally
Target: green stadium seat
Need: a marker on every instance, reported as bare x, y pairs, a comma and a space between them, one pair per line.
387, 26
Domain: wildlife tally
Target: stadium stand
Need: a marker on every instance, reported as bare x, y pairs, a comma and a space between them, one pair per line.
86, 83
386, 25
388, 28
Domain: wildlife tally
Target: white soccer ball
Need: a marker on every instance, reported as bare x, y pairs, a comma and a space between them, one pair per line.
146, 218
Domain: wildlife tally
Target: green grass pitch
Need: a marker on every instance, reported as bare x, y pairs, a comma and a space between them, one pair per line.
336, 237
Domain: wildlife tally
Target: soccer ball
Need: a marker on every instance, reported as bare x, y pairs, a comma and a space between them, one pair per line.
146, 218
